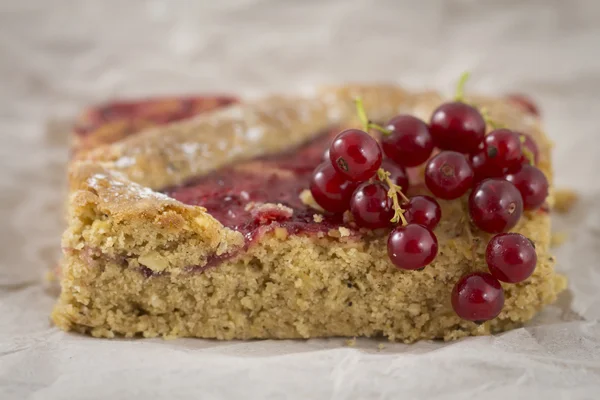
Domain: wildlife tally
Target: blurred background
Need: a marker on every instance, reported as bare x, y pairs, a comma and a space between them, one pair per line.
58, 56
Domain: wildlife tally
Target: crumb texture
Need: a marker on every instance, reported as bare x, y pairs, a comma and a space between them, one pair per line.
298, 287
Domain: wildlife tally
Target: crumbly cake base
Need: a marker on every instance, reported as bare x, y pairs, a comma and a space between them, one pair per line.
300, 287
137, 262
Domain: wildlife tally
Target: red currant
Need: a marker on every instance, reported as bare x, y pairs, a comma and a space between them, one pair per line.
477, 297
355, 155
398, 174
410, 143
371, 206
483, 169
457, 126
503, 148
423, 210
330, 190
448, 175
532, 184
412, 246
495, 205
511, 257
525, 102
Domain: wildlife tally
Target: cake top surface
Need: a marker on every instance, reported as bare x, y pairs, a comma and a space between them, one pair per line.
200, 166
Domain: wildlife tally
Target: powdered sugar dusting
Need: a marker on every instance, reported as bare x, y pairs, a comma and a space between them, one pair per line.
190, 149
147, 193
233, 112
94, 180
125, 162
254, 133
119, 189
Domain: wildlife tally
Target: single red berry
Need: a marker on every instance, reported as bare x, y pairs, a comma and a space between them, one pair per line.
495, 205
484, 169
330, 190
477, 297
412, 246
423, 210
511, 257
529, 144
448, 175
525, 102
398, 174
532, 184
503, 148
410, 143
371, 206
457, 126
355, 155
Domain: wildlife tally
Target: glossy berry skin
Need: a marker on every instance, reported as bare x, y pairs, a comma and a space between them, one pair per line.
484, 169
355, 155
371, 206
525, 102
398, 174
510, 257
410, 143
532, 184
503, 148
330, 190
423, 210
448, 175
529, 144
495, 205
457, 126
412, 246
477, 297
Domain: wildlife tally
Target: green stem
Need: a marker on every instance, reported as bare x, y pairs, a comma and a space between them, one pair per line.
460, 87
526, 152
362, 114
364, 120
488, 120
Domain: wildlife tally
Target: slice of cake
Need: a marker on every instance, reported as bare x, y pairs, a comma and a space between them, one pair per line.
207, 228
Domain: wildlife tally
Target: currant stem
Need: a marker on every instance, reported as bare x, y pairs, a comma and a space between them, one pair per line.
393, 193
364, 120
362, 114
377, 127
460, 87
526, 152
488, 120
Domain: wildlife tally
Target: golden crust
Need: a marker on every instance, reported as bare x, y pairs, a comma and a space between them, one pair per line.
118, 221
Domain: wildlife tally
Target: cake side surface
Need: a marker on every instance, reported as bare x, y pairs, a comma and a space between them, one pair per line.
292, 286
141, 263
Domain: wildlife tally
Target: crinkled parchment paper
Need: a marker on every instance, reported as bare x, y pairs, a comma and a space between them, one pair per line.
58, 55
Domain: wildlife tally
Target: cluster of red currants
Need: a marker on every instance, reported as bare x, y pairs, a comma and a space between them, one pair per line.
498, 167
346, 181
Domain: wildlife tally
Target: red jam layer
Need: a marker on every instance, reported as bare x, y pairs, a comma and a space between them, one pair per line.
136, 115
228, 193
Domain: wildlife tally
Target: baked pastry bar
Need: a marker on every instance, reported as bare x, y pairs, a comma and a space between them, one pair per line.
200, 228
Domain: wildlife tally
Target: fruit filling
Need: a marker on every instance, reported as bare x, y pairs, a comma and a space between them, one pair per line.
136, 115
262, 192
